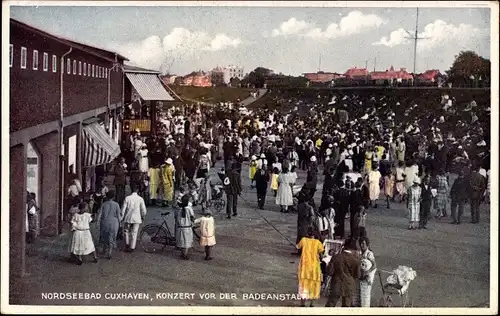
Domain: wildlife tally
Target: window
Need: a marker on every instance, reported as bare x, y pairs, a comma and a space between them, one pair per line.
106, 73
97, 72
93, 70
101, 73
74, 67
11, 55
80, 68
84, 69
35, 59
45, 62
24, 56
68, 66
54, 63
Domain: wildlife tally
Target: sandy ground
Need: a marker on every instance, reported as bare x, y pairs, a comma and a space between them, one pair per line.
452, 263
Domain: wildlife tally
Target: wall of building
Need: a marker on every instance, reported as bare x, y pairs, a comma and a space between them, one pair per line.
17, 203
81, 93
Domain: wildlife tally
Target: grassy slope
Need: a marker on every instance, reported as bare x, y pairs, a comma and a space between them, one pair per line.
211, 94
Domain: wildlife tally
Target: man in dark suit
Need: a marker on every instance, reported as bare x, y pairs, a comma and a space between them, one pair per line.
459, 194
341, 207
426, 203
356, 200
232, 187
477, 186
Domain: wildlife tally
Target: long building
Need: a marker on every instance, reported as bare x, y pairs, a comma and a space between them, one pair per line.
66, 100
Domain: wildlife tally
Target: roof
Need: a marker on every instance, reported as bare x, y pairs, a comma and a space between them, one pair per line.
130, 68
148, 86
356, 72
99, 52
429, 74
391, 74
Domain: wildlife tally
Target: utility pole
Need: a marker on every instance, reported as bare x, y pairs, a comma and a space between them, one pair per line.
366, 64
374, 63
319, 66
415, 38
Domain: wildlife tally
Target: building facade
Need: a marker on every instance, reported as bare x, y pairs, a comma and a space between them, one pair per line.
322, 77
223, 75
65, 101
391, 76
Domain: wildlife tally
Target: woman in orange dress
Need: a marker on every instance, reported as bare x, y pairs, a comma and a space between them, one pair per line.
309, 272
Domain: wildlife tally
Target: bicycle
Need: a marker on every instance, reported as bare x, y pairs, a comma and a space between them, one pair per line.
154, 237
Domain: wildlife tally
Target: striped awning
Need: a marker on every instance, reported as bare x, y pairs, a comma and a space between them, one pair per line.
98, 146
149, 86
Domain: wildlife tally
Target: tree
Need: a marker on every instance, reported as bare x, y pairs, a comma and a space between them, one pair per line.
469, 67
257, 77
234, 82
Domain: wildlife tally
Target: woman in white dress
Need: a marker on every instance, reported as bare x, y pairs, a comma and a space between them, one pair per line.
82, 243
374, 185
284, 197
368, 270
143, 159
413, 203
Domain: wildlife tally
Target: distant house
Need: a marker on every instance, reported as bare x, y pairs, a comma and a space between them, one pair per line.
429, 76
322, 77
168, 79
198, 79
391, 76
356, 74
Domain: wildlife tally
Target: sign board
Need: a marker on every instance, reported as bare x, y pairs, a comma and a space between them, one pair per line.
132, 125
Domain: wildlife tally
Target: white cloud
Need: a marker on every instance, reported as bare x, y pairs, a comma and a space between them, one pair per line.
436, 34
354, 23
221, 41
290, 27
396, 37
153, 51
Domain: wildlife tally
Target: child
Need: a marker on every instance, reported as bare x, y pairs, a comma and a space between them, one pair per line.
207, 232
252, 170
81, 242
389, 181
182, 192
193, 191
274, 180
362, 222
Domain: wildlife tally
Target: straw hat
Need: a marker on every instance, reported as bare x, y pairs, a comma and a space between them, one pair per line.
169, 161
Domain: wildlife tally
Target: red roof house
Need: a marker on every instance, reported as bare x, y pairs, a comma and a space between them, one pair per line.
391, 74
356, 73
429, 75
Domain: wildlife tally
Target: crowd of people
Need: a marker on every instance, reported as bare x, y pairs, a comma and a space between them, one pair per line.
365, 149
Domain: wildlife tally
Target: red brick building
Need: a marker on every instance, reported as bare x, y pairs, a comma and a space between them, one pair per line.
65, 100
390, 76
429, 76
322, 77
357, 74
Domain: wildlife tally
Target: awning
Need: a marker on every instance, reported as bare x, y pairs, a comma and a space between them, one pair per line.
149, 87
98, 146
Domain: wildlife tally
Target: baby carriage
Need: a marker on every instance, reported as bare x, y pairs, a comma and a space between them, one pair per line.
217, 201
398, 282
332, 247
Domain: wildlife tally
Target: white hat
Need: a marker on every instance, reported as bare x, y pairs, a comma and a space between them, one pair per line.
169, 161
263, 156
254, 157
330, 146
335, 144
313, 158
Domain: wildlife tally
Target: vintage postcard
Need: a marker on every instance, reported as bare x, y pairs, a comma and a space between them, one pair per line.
241, 157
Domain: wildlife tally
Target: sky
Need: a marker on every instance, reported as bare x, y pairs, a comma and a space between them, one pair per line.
289, 40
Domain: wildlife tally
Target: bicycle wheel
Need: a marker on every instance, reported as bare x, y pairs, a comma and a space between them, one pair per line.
153, 238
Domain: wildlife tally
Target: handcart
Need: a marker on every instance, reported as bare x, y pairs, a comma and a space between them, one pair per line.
397, 283
332, 247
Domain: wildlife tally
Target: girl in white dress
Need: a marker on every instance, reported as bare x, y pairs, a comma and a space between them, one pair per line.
82, 243
368, 269
143, 159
